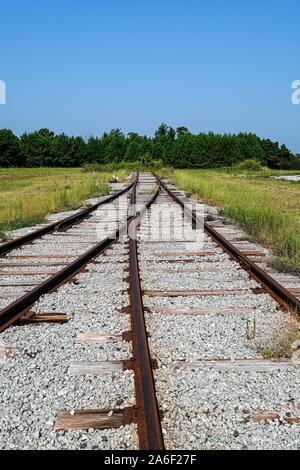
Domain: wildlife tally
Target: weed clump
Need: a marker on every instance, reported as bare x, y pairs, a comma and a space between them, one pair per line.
267, 209
250, 165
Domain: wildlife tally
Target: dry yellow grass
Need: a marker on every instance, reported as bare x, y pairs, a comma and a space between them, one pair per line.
268, 209
27, 195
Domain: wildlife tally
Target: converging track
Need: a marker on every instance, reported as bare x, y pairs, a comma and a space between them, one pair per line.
138, 331
38, 254
282, 295
145, 413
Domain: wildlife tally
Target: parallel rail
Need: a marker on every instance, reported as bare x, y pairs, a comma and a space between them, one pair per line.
16, 309
59, 225
276, 290
149, 428
146, 410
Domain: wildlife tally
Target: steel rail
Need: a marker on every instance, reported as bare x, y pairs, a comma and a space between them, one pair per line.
149, 427
148, 419
276, 290
16, 309
59, 225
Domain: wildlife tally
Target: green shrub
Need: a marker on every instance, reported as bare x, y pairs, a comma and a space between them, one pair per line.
146, 165
250, 165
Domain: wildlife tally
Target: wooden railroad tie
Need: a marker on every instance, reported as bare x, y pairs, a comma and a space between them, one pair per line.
200, 310
236, 365
188, 293
53, 317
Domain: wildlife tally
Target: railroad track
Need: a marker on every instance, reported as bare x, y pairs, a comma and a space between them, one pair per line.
270, 285
156, 348
96, 223
145, 413
219, 333
59, 225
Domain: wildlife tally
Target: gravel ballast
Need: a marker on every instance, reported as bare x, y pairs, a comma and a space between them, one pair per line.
35, 384
205, 408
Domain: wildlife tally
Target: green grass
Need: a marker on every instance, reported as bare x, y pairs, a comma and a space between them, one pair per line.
27, 195
268, 209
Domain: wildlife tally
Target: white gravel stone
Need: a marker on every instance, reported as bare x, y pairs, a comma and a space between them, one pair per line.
206, 409
202, 408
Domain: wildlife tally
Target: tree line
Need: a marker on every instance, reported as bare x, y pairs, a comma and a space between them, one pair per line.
178, 148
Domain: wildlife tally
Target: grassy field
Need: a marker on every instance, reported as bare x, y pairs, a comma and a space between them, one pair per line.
27, 195
268, 209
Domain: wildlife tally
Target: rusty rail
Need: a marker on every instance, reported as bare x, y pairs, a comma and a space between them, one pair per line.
276, 290
147, 412
59, 225
16, 309
149, 428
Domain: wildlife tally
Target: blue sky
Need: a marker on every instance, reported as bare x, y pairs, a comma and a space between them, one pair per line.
83, 67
